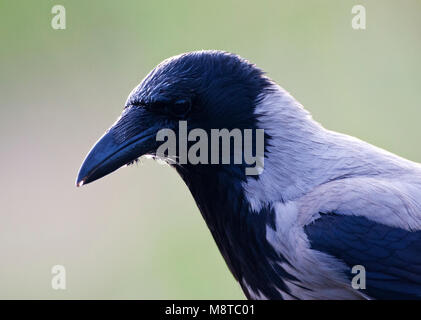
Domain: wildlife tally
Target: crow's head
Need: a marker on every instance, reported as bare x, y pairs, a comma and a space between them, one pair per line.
210, 91
207, 89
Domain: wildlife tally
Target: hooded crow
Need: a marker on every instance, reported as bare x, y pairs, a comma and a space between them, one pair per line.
323, 206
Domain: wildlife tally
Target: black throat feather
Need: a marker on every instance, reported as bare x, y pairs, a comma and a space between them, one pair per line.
239, 233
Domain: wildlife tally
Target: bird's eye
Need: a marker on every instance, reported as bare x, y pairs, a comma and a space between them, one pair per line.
141, 104
181, 108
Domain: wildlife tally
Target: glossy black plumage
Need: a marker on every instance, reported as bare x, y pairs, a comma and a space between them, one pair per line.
390, 255
239, 233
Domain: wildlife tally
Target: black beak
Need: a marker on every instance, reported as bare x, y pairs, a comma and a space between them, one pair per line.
113, 151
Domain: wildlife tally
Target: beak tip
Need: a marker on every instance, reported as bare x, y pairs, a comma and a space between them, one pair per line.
80, 180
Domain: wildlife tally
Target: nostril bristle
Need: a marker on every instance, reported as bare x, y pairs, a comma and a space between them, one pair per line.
135, 161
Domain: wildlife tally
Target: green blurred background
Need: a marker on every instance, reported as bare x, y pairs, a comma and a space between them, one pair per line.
137, 234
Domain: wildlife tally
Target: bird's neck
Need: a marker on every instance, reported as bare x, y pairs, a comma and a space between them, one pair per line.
239, 233
237, 209
302, 155
295, 152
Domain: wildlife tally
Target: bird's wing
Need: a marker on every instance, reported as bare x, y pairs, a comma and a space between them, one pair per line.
390, 255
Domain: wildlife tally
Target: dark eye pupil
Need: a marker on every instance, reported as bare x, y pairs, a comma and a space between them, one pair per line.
181, 108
